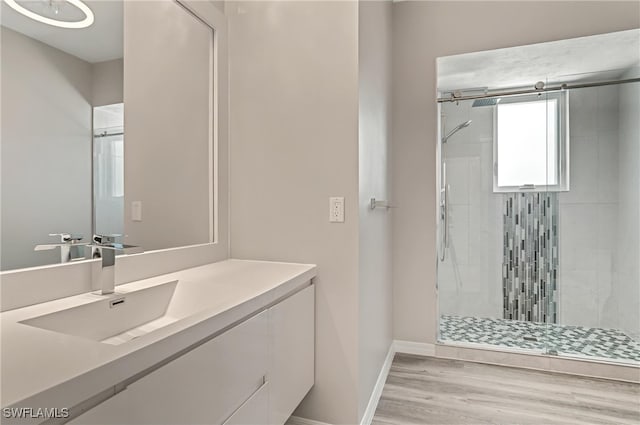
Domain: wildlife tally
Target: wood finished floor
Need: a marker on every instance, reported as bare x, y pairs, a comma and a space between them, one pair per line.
427, 390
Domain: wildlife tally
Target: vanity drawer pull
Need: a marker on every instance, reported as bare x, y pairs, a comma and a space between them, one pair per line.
116, 302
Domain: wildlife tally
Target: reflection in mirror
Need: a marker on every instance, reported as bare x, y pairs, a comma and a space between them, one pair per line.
169, 119
108, 169
63, 111
52, 79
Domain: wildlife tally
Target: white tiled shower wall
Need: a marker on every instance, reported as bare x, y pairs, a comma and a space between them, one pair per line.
588, 224
598, 241
625, 296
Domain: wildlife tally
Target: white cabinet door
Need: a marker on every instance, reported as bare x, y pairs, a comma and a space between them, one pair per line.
292, 338
253, 411
204, 386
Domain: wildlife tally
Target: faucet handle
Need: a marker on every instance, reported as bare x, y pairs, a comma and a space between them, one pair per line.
105, 239
67, 237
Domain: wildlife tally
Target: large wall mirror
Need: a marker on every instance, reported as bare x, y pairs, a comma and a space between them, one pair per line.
106, 129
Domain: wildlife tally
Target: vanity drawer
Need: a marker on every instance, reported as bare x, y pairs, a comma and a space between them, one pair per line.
204, 386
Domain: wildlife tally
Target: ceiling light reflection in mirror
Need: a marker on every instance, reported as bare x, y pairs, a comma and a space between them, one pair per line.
55, 7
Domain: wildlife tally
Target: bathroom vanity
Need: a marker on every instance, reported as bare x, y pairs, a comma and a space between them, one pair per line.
225, 343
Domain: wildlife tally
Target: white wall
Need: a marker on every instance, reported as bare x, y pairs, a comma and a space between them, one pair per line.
311, 118
374, 153
294, 132
46, 149
422, 31
108, 80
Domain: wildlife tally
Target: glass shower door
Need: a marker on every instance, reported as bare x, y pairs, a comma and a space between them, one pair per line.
539, 216
470, 241
598, 282
504, 162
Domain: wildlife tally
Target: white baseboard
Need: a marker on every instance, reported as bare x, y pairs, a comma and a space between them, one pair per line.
297, 420
416, 348
377, 389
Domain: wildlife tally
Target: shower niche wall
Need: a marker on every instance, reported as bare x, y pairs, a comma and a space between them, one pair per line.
539, 224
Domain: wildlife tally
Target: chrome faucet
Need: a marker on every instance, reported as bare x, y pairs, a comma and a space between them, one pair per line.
67, 241
105, 247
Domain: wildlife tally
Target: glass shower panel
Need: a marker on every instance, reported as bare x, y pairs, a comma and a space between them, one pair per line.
544, 264
528, 172
598, 279
546, 238
470, 292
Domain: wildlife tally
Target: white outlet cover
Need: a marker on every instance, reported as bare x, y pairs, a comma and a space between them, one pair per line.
336, 209
136, 211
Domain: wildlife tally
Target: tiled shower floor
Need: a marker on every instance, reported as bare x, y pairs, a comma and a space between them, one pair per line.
607, 344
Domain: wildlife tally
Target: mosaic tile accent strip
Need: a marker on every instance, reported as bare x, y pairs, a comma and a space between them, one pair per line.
530, 260
609, 344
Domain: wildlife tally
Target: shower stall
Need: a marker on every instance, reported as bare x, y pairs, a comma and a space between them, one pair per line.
539, 218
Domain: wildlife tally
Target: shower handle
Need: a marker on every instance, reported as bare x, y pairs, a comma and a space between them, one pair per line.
444, 219
444, 215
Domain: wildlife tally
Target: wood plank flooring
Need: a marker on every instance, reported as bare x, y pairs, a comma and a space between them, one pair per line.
427, 390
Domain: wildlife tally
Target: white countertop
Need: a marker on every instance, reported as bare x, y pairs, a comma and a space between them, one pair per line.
42, 368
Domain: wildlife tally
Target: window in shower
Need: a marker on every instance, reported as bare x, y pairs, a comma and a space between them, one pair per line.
530, 148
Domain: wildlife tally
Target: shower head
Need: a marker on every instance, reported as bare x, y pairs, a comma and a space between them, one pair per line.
455, 130
487, 101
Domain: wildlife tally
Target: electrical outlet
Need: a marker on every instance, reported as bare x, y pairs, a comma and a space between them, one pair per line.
336, 209
136, 211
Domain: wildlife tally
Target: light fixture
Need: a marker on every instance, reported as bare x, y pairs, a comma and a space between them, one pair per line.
87, 21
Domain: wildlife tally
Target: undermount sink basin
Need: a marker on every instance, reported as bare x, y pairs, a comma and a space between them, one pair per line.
115, 319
